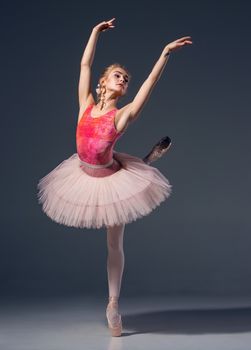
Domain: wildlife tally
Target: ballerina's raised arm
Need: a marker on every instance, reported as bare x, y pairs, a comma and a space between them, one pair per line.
84, 87
133, 109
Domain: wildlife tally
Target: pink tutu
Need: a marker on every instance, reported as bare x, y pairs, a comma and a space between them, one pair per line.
77, 196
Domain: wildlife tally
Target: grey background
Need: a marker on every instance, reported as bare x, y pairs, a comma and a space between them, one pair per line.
198, 241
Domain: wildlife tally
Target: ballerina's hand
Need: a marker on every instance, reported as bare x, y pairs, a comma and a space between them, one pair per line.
101, 27
177, 44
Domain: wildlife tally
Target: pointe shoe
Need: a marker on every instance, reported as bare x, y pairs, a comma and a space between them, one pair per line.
113, 317
158, 150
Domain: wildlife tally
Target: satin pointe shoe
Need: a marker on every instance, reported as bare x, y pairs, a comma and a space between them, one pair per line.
158, 150
113, 317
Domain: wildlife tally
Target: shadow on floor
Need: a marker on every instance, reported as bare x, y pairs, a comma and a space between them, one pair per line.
235, 320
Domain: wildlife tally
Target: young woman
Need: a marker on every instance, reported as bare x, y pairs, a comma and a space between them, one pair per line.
97, 186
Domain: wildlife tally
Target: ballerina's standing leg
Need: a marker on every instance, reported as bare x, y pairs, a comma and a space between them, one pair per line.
115, 259
115, 268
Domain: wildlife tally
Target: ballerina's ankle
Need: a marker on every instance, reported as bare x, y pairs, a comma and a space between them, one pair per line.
113, 299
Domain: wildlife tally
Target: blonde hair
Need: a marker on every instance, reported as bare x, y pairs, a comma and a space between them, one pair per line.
100, 89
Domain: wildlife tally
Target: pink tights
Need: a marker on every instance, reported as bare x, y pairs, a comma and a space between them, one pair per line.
115, 258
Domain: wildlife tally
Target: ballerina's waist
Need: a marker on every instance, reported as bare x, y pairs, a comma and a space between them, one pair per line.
96, 166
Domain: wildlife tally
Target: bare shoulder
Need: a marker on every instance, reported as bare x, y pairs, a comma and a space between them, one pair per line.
84, 104
122, 118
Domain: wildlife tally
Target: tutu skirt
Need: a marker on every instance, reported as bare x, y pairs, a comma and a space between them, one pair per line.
78, 196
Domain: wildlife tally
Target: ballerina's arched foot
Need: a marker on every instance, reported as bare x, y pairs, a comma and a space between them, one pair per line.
158, 150
113, 317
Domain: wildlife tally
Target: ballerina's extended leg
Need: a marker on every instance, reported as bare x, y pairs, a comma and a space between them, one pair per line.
160, 148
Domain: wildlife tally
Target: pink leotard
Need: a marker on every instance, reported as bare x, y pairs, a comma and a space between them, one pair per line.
96, 137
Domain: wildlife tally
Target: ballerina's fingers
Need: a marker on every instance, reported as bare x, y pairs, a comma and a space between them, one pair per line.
111, 20
184, 43
108, 24
177, 44
183, 38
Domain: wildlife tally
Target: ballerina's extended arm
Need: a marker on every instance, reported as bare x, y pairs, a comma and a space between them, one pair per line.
84, 87
133, 109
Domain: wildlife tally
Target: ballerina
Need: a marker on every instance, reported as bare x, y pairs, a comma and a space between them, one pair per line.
97, 186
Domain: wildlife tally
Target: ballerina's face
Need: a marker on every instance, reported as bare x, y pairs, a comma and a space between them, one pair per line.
117, 81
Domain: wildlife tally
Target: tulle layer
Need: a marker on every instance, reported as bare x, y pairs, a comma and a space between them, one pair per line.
76, 196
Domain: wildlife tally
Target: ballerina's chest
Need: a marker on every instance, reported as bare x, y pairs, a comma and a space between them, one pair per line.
102, 127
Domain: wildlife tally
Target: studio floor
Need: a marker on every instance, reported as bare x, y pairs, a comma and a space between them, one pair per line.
79, 323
